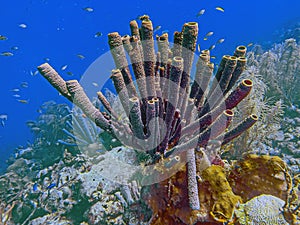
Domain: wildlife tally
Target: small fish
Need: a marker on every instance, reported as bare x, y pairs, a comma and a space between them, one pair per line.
64, 67
47, 59
70, 73
30, 123
95, 84
36, 129
23, 25
7, 54
201, 12
220, 9
221, 40
35, 187
209, 34
88, 9
52, 185
212, 47
15, 90
98, 34
17, 96
213, 57
157, 28
24, 84
3, 117
80, 56
23, 101
198, 47
165, 31
3, 38
250, 44
33, 203
14, 48
205, 38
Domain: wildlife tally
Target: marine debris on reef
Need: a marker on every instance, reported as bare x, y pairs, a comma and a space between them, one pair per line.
176, 131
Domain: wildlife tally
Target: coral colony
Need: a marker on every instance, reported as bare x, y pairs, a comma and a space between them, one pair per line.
170, 120
186, 111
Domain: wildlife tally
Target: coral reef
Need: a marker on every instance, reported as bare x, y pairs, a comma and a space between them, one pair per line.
190, 118
225, 191
184, 113
250, 186
171, 121
54, 187
278, 67
275, 101
173, 130
68, 192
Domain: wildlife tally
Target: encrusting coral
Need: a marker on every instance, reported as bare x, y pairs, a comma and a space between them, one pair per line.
171, 121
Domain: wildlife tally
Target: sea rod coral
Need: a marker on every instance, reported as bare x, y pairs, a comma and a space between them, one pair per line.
179, 127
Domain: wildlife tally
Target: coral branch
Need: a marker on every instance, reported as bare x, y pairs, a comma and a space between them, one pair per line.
82, 101
240, 128
240, 51
106, 104
55, 80
118, 53
136, 118
192, 180
238, 94
240, 67
121, 89
149, 54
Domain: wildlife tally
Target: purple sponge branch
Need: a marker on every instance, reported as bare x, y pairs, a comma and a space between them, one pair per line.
82, 101
240, 128
118, 53
55, 80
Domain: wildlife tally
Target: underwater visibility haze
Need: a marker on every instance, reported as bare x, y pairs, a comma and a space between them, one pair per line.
150, 112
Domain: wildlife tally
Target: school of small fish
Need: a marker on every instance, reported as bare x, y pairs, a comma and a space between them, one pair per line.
24, 84
210, 33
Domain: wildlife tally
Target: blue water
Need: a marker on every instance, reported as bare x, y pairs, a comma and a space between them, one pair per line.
59, 30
